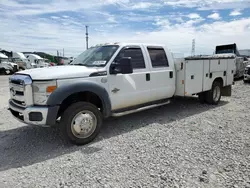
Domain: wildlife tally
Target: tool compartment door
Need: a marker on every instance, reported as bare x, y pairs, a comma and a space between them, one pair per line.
218, 65
231, 68
193, 76
207, 82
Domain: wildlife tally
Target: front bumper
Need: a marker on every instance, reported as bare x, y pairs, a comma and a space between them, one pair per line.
35, 115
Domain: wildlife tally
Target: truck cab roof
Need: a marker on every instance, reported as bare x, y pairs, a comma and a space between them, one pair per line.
33, 55
131, 44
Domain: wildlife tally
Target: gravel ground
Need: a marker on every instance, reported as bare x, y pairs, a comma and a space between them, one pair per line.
184, 144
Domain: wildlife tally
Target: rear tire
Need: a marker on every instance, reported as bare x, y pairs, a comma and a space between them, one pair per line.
81, 123
214, 95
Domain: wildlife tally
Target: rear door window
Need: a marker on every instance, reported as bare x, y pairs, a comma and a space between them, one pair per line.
158, 57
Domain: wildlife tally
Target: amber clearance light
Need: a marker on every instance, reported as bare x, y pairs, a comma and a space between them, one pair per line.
50, 89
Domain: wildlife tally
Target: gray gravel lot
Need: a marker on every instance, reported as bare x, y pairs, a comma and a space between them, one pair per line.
184, 144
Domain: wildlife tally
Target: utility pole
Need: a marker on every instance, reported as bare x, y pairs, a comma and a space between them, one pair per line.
63, 52
87, 37
193, 48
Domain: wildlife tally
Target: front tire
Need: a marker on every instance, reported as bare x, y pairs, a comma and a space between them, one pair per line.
81, 123
214, 95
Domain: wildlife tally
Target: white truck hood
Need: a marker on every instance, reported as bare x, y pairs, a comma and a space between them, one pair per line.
59, 72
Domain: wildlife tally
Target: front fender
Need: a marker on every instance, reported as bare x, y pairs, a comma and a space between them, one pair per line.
64, 91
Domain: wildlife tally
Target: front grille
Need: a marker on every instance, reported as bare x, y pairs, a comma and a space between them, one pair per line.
20, 92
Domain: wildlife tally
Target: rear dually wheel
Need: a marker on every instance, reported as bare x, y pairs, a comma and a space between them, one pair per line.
214, 95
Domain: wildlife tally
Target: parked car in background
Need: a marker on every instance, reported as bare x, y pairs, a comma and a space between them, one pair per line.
20, 59
247, 74
6, 66
36, 61
240, 63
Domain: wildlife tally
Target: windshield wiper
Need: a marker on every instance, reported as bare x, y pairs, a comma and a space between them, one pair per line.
79, 64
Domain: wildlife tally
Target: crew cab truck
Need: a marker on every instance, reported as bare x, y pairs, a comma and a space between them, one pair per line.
113, 80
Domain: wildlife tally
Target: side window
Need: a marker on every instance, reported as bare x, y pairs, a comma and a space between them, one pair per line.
158, 57
136, 55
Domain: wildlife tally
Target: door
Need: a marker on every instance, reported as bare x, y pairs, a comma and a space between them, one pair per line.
128, 90
207, 81
231, 68
161, 73
193, 77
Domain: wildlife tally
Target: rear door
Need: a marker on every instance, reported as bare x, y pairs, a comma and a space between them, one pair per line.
162, 75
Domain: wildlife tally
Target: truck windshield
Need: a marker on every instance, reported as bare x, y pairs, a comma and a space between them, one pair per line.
96, 56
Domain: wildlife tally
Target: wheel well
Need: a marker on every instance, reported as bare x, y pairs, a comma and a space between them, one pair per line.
81, 96
220, 80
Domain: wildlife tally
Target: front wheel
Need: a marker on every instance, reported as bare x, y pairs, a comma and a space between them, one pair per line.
81, 122
214, 95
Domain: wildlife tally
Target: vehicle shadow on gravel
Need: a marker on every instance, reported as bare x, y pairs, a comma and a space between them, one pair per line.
28, 145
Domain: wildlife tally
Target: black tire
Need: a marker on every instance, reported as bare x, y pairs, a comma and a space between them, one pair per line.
245, 81
68, 117
202, 97
210, 94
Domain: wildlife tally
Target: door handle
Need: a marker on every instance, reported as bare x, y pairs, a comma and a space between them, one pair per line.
171, 74
147, 77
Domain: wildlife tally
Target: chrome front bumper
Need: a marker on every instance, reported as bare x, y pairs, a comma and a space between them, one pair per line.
34, 115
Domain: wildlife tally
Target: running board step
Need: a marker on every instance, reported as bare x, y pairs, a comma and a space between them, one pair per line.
139, 109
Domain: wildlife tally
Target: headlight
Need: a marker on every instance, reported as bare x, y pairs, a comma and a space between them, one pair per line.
42, 90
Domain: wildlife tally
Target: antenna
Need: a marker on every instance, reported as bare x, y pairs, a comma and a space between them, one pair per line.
193, 48
87, 37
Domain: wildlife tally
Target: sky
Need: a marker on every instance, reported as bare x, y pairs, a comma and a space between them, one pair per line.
51, 25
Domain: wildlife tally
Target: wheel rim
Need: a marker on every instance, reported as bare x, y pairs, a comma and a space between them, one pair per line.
216, 93
84, 124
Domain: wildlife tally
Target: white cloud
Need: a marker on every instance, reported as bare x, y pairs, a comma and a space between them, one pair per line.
193, 16
235, 13
215, 16
209, 4
142, 5
55, 17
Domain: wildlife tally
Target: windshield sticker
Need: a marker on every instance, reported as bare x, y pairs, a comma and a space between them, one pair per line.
99, 62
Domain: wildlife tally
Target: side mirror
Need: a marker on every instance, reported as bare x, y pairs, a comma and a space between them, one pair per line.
123, 66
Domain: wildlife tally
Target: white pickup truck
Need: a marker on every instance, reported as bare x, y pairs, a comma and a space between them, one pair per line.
114, 80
